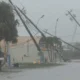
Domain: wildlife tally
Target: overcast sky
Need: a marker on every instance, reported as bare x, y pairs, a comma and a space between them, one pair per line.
52, 9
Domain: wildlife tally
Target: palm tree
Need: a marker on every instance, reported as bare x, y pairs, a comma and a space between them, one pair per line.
53, 43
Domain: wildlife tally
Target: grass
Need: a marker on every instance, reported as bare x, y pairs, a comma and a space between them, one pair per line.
31, 65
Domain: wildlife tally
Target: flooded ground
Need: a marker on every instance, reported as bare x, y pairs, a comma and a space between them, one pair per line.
69, 71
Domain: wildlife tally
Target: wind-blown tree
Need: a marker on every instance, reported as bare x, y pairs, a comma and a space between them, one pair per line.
8, 23
53, 43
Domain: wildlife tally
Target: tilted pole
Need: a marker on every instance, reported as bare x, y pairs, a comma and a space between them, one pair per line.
37, 29
74, 18
47, 32
26, 27
32, 23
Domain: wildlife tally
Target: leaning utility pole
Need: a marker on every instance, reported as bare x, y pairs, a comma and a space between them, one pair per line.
26, 26
73, 17
17, 9
32, 23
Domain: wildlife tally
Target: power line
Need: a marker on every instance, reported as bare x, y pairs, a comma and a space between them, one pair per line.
63, 41
18, 13
31, 22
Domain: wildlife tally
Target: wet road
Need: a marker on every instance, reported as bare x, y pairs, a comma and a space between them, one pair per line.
70, 71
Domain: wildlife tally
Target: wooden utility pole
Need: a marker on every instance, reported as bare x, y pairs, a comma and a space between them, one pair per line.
72, 16
18, 13
25, 26
32, 23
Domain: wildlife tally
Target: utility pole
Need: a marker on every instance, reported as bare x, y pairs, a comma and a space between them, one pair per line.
25, 26
73, 17
54, 53
32, 23
17, 11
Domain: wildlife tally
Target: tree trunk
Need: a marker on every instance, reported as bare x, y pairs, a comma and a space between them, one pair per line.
54, 56
48, 53
51, 52
0, 61
5, 53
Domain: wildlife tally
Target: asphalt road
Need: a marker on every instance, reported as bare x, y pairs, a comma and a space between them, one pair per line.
70, 71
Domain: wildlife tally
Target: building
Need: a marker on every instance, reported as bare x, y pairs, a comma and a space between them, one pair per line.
25, 51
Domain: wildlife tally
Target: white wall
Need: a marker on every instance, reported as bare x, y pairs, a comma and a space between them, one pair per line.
18, 52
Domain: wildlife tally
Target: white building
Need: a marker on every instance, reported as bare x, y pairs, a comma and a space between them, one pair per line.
25, 51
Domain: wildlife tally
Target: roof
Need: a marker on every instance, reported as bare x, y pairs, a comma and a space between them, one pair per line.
23, 40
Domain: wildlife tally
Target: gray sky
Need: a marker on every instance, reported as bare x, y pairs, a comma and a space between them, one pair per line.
52, 9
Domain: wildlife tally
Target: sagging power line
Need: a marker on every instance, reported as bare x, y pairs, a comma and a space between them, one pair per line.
19, 10
25, 26
63, 41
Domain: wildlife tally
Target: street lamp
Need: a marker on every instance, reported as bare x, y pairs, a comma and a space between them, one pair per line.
55, 35
56, 26
40, 19
38, 22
